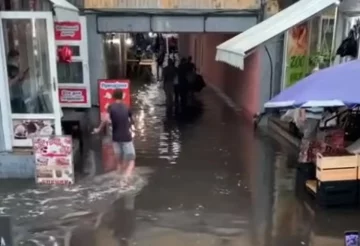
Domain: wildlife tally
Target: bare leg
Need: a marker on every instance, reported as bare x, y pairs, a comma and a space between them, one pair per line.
129, 168
120, 166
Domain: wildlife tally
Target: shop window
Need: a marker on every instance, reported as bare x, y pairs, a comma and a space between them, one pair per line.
30, 83
327, 32
70, 73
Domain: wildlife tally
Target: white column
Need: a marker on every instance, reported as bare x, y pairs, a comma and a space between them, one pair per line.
5, 125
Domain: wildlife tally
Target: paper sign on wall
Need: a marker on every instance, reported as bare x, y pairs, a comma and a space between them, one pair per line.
70, 31
73, 96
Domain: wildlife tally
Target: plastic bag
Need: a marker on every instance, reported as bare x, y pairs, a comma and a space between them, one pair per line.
348, 47
299, 122
288, 116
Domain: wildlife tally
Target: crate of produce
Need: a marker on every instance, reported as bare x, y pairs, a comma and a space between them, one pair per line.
337, 166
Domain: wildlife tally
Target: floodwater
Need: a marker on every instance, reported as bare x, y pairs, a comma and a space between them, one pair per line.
202, 178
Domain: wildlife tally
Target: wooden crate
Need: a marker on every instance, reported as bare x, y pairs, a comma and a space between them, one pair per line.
337, 168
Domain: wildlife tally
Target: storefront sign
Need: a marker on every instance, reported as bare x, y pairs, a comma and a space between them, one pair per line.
73, 96
6, 237
106, 89
54, 160
70, 31
297, 54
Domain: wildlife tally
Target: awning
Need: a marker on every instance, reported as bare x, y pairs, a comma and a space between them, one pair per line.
234, 50
65, 11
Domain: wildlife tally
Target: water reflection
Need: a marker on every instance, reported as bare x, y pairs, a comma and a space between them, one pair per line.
119, 221
169, 142
43, 213
229, 187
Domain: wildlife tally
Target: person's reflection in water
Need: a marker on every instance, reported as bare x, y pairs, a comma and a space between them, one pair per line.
123, 222
115, 227
16, 79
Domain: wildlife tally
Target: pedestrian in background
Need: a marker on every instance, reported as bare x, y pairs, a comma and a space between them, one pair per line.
183, 84
170, 80
159, 63
191, 78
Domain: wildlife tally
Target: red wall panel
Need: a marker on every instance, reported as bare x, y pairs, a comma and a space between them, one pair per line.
242, 87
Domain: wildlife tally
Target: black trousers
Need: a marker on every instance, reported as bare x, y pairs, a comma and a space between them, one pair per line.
181, 96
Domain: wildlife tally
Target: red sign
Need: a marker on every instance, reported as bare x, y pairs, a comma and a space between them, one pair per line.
70, 31
73, 96
106, 89
108, 155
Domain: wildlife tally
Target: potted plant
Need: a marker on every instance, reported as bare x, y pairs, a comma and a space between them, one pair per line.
321, 59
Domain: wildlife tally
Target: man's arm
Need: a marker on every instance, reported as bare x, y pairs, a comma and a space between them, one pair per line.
103, 123
14, 80
131, 118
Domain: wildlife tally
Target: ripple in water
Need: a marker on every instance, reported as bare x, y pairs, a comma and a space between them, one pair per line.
47, 212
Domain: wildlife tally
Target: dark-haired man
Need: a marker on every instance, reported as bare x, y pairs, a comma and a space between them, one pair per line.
170, 81
121, 120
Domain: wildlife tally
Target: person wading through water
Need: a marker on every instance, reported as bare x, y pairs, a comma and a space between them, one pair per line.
190, 77
182, 90
121, 120
170, 81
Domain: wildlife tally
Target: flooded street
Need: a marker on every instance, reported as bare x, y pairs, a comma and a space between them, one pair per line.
202, 178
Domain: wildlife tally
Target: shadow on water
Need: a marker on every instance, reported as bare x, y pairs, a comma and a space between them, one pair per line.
115, 227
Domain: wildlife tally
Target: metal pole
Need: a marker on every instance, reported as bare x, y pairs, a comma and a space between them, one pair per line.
335, 29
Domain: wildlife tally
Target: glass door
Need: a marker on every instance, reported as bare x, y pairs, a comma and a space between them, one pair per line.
31, 87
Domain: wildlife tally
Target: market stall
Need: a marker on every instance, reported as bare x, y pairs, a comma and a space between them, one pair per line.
327, 169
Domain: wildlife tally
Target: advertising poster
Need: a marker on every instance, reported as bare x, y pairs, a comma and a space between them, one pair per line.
25, 130
70, 31
73, 96
54, 160
106, 89
297, 54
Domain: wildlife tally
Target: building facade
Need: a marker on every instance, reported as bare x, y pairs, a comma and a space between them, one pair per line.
29, 102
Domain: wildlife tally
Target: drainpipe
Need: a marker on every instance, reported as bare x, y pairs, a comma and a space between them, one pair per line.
262, 17
262, 12
335, 30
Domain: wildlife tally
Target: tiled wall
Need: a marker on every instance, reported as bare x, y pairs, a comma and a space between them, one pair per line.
242, 87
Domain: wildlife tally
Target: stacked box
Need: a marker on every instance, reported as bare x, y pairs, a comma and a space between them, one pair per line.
336, 179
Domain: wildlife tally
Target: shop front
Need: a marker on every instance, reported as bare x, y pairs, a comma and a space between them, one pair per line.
348, 19
29, 99
29, 86
308, 47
